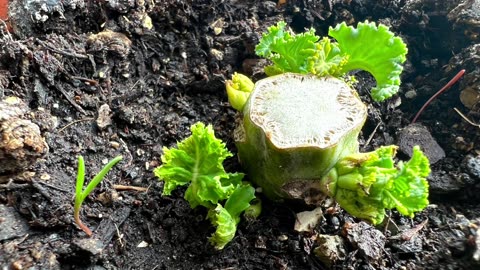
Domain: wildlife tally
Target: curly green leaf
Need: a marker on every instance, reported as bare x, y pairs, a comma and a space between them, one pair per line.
197, 161
374, 49
288, 52
365, 184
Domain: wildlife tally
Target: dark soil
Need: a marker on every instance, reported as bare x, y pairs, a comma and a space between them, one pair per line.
157, 81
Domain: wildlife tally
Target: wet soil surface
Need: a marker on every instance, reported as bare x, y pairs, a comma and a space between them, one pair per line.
125, 77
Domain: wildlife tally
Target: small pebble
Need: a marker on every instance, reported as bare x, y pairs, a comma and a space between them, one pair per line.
115, 144
140, 152
142, 244
473, 166
417, 134
218, 55
330, 249
411, 94
104, 117
335, 222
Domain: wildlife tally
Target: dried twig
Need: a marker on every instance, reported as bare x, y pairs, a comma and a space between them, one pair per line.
119, 235
65, 53
410, 233
123, 187
128, 154
76, 121
10, 185
371, 135
53, 187
4, 30
69, 99
466, 119
387, 224
86, 80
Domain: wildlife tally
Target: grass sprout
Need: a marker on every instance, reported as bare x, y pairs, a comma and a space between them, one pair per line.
81, 194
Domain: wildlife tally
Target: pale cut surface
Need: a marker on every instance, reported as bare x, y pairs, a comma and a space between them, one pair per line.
297, 110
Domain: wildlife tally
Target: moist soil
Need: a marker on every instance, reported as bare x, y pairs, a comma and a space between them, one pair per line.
108, 78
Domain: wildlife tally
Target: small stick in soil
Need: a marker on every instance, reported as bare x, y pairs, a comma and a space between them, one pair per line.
71, 54
466, 119
123, 187
119, 235
439, 92
10, 185
73, 103
52, 186
407, 235
5, 30
86, 80
127, 153
389, 220
74, 122
42, 191
371, 135
410, 233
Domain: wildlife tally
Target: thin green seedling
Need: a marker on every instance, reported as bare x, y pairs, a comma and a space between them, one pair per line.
81, 194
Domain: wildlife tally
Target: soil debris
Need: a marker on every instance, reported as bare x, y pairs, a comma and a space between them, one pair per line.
104, 117
466, 17
12, 225
330, 249
109, 41
473, 166
417, 134
369, 241
21, 143
306, 221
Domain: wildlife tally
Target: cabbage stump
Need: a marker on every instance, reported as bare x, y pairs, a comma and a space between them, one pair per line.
285, 152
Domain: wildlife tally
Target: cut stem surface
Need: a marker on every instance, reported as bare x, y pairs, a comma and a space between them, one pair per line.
295, 129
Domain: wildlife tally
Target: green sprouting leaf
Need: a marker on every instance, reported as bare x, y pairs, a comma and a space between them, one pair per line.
367, 47
288, 52
408, 190
81, 194
368, 183
327, 59
374, 49
238, 90
254, 210
99, 177
356, 175
225, 224
239, 201
197, 161
274, 33
226, 218
80, 181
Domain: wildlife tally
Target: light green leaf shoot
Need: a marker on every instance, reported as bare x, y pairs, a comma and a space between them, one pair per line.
368, 47
365, 184
226, 218
238, 90
374, 49
197, 161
